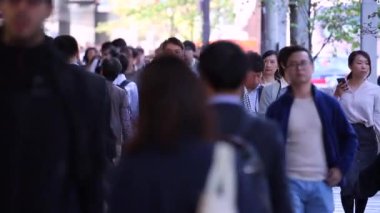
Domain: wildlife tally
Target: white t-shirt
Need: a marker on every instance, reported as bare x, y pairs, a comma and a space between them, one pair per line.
305, 152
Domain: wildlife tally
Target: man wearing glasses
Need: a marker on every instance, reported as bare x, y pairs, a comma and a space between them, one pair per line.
320, 143
54, 120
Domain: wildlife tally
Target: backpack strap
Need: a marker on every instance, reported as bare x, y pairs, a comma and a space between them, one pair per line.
124, 84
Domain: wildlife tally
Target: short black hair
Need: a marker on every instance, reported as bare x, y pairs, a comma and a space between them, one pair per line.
106, 45
293, 49
66, 45
139, 50
189, 45
223, 65
172, 40
111, 67
124, 62
256, 62
119, 43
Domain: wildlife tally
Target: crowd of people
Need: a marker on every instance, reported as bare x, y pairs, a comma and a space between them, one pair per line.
223, 131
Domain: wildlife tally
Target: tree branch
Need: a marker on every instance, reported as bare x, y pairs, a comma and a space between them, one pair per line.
323, 46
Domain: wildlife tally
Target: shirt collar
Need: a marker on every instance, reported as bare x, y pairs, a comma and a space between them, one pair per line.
225, 99
119, 79
283, 83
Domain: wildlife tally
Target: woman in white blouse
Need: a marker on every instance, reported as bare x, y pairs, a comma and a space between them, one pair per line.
360, 100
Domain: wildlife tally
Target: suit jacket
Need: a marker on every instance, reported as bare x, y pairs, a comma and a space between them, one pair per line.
54, 133
120, 116
267, 139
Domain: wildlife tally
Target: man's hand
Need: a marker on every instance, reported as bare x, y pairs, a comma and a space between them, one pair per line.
334, 177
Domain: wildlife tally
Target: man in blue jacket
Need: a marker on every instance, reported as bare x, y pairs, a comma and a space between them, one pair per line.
320, 143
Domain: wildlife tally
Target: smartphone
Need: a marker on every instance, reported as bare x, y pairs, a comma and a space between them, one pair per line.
341, 80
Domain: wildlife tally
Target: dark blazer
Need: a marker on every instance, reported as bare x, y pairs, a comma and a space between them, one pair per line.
153, 180
267, 139
54, 133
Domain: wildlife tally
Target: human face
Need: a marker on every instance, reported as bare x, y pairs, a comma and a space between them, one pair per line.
23, 19
173, 50
189, 55
91, 54
270, 65
252, 80
360, 67
299, 68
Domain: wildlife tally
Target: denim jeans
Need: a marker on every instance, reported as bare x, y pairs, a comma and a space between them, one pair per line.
311, 196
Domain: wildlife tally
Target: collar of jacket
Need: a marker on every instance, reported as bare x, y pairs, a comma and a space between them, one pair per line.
288, 96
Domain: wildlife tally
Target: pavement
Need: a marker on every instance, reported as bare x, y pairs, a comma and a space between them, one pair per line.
373, 205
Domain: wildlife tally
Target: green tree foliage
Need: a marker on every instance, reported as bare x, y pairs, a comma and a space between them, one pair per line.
340, 22
181, 18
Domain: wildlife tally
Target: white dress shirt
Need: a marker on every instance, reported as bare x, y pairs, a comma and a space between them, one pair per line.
363, 105
133, 97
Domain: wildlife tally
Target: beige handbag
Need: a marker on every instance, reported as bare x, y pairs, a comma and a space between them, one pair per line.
219, 195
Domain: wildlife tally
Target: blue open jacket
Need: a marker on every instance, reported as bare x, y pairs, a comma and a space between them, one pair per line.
340, 140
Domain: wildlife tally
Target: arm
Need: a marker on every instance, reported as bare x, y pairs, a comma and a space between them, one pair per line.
125, 117
278, 181
265, 100
133, 97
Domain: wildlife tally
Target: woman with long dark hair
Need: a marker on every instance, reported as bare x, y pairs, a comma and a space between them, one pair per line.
360, 100
164, 168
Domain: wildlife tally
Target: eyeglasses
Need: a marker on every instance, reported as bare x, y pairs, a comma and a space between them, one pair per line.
29, 2
301, 65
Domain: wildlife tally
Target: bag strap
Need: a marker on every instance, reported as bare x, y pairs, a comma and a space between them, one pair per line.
221, 182
124, 84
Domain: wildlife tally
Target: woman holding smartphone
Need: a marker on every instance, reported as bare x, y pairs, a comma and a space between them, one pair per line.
360, 100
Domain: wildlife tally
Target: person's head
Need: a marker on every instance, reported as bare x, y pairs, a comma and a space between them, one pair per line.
299, 65
108, 50
270, 63
173, 46
223, 66
359, 63
23, 19
282, 54
256, 66
119, 44
68, 47
170, 109
90, 54
140, 59
189, 52
124, 62
111, 67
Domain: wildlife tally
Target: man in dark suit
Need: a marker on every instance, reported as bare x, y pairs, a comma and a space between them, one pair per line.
223, 66
54, 126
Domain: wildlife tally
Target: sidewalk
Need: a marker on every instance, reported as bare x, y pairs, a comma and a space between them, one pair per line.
373, 205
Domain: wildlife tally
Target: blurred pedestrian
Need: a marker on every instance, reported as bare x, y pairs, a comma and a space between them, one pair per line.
274, 90
165, 166
360, 100
223, 67
173, 46
320, 143
120, 111
189, 55
54, 120
252, 87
